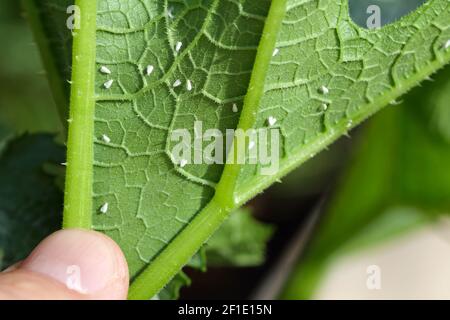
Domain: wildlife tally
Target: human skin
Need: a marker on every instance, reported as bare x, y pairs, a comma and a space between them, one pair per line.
69, 264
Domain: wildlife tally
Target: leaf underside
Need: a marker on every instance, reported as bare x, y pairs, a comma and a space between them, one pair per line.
152, 199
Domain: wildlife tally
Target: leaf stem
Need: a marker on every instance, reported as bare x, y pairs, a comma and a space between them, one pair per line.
187, 242
78, 190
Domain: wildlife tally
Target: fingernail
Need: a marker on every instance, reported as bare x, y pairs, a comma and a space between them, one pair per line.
84, 261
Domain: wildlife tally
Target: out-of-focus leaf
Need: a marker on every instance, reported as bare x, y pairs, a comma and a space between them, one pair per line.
241, 241
48, 20
25, 101
30, 203
399, 179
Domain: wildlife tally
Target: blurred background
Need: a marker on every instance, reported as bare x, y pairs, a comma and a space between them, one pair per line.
365, 219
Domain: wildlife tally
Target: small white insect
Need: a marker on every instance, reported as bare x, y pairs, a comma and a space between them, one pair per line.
235, 108
189, 85
177, 83
251, 145
271, 121
447, 44
275, 52
108, 84
324, 106
170, 12
64, 164
106, 139
104, 208
105, 70
69, 120
178, 46
183, 163
324, 90
149, 69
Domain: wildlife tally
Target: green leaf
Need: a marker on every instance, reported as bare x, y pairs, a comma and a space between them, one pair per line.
26, 105
398, 180
30, 203
240, 241
160, 213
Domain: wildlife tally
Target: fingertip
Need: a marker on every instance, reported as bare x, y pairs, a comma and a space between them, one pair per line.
87, 262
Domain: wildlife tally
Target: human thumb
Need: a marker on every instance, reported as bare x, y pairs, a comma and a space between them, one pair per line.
69, 264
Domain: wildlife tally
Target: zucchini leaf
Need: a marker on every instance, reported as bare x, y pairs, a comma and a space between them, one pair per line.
159, 212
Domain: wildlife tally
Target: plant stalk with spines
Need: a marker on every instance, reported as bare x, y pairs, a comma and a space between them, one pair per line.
78, 188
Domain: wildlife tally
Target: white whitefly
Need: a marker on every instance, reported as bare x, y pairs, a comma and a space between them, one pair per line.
189, 85
177, 83
106, 139
104, 208
275, 52
324, 106
271, 121
149, 69
170, 12
446, 44
183, 163
324, 90
349, 123
105, 70
64, 164
178, 46
108, 84
235, 108
395, 102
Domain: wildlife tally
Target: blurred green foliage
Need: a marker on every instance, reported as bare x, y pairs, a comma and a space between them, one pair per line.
240, 241
30, 202
25, 100
398, 179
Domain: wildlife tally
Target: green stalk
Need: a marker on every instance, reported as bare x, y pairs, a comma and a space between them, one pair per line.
78, 190
185, 245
